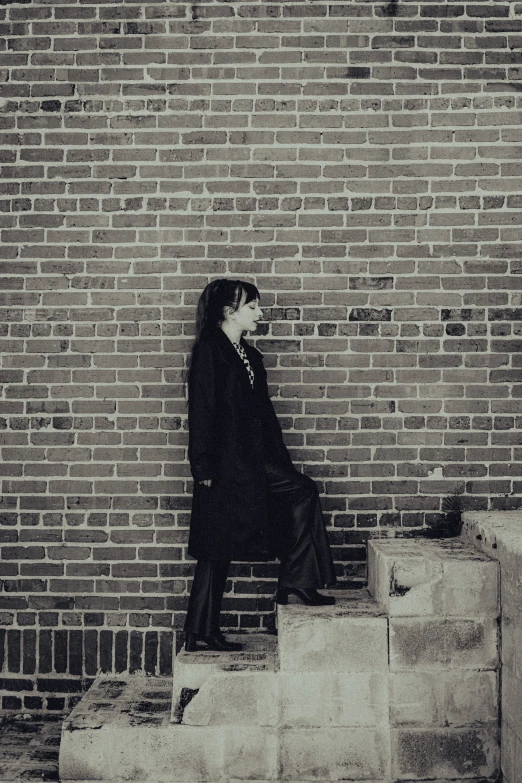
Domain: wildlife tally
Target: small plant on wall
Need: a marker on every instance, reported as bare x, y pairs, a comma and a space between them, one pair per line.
449, 524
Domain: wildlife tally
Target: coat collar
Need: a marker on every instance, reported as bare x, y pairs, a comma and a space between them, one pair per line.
232, 357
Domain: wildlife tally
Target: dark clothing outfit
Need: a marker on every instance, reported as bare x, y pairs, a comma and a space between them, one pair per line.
258, 506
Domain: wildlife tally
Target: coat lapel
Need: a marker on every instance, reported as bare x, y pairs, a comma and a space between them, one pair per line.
232, 357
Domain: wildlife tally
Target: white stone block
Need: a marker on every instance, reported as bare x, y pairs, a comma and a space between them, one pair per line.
192, 669
395, 568
425, 577
348, 637
169, 754
497, 533
416, 699
332, 754
443, 698
250, 753
236, 699
330, 699
84, 755
176, 754
471, 698
470, 586
418, 643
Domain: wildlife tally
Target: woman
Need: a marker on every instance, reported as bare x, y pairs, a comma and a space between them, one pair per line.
248, 497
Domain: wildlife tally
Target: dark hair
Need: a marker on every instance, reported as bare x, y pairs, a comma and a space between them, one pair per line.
211, 306
215, 297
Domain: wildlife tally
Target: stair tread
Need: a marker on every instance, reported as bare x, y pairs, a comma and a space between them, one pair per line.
258, 653
430, 549
122, 701
349, 603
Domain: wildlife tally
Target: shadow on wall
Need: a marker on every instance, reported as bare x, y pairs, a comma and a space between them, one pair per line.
392, 8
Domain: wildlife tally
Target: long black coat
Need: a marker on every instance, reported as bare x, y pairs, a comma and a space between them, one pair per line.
231, 427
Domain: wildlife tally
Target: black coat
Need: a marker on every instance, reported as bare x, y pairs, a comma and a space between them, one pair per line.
231, 428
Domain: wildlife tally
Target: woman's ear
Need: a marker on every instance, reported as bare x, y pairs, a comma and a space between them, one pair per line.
228, 312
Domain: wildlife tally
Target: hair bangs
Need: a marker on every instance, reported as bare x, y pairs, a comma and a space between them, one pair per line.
249, 290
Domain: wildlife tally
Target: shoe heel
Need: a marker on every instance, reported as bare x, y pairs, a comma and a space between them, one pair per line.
191, 640
281, 597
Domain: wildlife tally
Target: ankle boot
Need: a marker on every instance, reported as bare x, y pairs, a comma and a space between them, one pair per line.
307, 595
216, 641
191, 640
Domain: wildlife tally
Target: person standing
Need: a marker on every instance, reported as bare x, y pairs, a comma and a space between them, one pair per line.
248, 497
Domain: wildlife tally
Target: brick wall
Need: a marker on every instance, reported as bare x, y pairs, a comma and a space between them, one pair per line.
361, 162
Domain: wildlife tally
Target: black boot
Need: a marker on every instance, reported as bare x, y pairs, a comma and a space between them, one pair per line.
307, 595
215, 642
191, 642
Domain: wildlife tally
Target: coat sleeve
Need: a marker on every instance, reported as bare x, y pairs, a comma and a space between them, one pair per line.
202, 411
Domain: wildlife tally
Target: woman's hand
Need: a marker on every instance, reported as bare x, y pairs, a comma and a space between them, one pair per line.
206, 482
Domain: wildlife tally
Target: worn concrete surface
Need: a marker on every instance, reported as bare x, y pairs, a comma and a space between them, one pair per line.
442, 602
430, 577
368, 689
348, 637
242, 716
117, 713
259, 654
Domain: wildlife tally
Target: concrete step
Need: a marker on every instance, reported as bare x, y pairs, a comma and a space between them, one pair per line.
442, 600
121, 731
234, 688
401, 685
322, 713
333, 691
422, 577
333, 754
350, 636
259, 654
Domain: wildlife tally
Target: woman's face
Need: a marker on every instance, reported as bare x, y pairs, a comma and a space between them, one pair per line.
247, 315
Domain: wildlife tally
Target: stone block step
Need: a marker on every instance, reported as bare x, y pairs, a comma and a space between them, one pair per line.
235, 699
351, 636
398, 686
222, 694
333, 754
443, 699
434, 643
465, 754
259, 654
332, 699
294, 700
442, 600
121, 731
448, 577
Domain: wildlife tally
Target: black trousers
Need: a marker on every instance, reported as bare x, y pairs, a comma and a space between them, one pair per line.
306, 560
